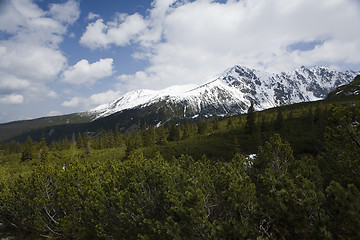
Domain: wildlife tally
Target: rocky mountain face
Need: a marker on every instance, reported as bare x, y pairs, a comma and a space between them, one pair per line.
232, 93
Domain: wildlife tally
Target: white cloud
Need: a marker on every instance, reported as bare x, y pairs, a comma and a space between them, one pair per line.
73, 102
92, 16
10, 83
11, 99
29, 54
104, 97
52, 94
17, 14
92, 101
139, 80
53, 113
125, 29
120, 32
84, 72
66, 13
32, 62
191, 41
155, 22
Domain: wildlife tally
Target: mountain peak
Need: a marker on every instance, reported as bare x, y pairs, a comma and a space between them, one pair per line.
233, 91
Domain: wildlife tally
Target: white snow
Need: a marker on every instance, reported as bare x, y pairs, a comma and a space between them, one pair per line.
252, 156
233, 90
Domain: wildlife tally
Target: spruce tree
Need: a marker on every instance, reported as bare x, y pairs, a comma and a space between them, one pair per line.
43, 150
29, 148
250, 119
279, 120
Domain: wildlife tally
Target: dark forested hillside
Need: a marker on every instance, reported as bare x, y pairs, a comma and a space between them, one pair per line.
347, 91
12, 130
285, 173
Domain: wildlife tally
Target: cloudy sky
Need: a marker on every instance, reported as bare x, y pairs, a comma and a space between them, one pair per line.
60, 57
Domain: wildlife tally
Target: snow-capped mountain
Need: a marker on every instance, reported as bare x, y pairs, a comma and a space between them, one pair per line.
233, 91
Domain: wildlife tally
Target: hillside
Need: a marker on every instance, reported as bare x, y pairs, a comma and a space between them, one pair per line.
231, 93
347, 91
12, 129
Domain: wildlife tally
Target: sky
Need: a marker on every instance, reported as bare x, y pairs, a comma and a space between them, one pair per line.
59, 57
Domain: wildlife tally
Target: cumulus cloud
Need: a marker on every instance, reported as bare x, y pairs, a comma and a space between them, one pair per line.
119, 32
11, 99
73, 102
92, 101
191, 41
10, 83
29, 50
92, 16
85, 72
104, 97
32, 62
66, 13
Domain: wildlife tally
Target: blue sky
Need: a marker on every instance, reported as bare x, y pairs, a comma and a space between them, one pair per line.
59, 57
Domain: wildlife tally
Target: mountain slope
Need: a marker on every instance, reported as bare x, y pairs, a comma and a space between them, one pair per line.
350, 90
233, 91
13, 129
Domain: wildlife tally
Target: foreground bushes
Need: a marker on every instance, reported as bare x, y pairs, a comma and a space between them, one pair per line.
275, 196
135, 199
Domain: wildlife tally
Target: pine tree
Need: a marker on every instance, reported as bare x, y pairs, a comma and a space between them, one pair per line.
161, 138
117, 136
215, 125
203, 127
29, 149
87, 144
186, 130
279, 121
80, 141
146, 135
343, 207
230, 123
43, 150
130, 147
250, 119
289, 200
174, 132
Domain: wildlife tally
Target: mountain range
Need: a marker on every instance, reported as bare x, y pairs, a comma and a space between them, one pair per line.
230, 93
233, 91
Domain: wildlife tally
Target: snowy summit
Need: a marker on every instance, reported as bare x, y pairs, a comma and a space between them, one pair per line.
234, 90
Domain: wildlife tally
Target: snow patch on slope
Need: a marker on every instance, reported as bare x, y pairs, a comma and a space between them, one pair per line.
139, 97
233, 91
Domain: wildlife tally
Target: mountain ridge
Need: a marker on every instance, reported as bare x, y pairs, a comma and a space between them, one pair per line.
230, 93
233, 91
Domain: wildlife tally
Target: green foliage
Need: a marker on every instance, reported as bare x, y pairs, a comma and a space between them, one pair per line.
250, 119
342, 164
174, 132
288, 200
236, 206
136, 198
343, 206
28, 151
190, 181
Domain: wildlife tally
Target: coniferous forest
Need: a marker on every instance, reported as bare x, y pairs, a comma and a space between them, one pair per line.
291, 172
